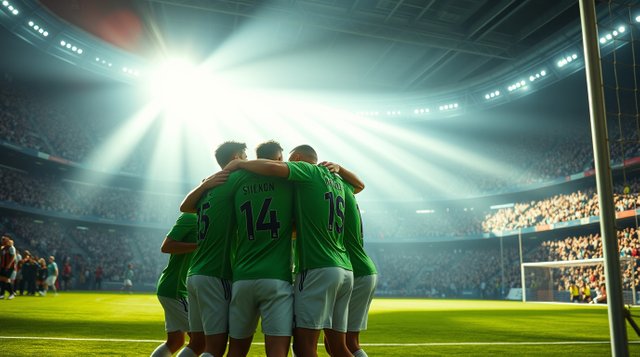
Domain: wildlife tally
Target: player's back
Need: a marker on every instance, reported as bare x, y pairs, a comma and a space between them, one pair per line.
264, 213
353, 236
319, 213
217, 229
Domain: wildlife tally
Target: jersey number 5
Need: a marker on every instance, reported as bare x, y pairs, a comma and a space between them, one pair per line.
203, 221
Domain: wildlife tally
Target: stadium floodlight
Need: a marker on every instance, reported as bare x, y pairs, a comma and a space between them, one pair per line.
5, 3
424, 211
621, 29
638, 18
30, 23
493, 94
45, 34
62, 43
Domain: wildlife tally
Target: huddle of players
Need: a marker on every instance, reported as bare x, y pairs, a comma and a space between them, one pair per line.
238, 254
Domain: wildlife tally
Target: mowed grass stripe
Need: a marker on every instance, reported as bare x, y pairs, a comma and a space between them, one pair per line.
80, 323
363, 344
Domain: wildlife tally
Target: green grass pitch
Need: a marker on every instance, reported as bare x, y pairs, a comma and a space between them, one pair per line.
113, 324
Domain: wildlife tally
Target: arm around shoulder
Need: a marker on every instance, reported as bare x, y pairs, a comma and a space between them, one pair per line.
352, 179
261, 166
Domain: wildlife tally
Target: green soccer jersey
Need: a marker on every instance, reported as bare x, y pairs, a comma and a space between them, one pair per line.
264, 211
319, 214
353, 236
172, 282
217, 229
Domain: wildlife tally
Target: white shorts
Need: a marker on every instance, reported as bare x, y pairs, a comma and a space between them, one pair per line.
13, 276
321, 299
361, 296
176, 313
128, 283
271, 299
208, 304
51, 280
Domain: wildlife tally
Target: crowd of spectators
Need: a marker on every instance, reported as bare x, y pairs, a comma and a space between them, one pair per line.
590, 247
560, 208
36, 119
89, 249
445, 271
51, 193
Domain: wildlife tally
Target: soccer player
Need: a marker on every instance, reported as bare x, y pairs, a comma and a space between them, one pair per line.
262, 267
323, 285
52, 276
180, 242
364, 274
209, 277
7, 266
127, 284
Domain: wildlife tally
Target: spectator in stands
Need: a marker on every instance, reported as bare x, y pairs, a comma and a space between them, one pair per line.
574, 292
98, 278
601, 296
585, 292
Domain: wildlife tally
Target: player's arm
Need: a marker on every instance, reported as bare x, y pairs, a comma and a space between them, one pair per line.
172, 246
191, 200
346, 175
260, 166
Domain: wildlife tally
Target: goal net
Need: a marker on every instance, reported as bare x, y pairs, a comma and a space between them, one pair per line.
551, 281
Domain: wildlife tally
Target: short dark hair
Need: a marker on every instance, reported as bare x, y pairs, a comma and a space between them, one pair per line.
269, 150
306, 151
227, 150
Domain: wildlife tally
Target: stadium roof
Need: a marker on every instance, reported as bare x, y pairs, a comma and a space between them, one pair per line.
403, 47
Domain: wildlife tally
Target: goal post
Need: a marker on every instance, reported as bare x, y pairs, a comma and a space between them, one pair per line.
546, 281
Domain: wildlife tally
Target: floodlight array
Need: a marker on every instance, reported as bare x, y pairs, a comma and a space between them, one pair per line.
9, 6
104, 62
519, 84
394, 112
566, 60
71, 47
492, 95
539, 75
610, 36
38, 28
448, 107
419, 111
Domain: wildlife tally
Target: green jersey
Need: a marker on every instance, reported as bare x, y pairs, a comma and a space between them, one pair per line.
319, 214
172, 281
264, 212
217, 229
353, 236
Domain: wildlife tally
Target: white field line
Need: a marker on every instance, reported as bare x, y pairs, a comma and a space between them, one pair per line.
425, 344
